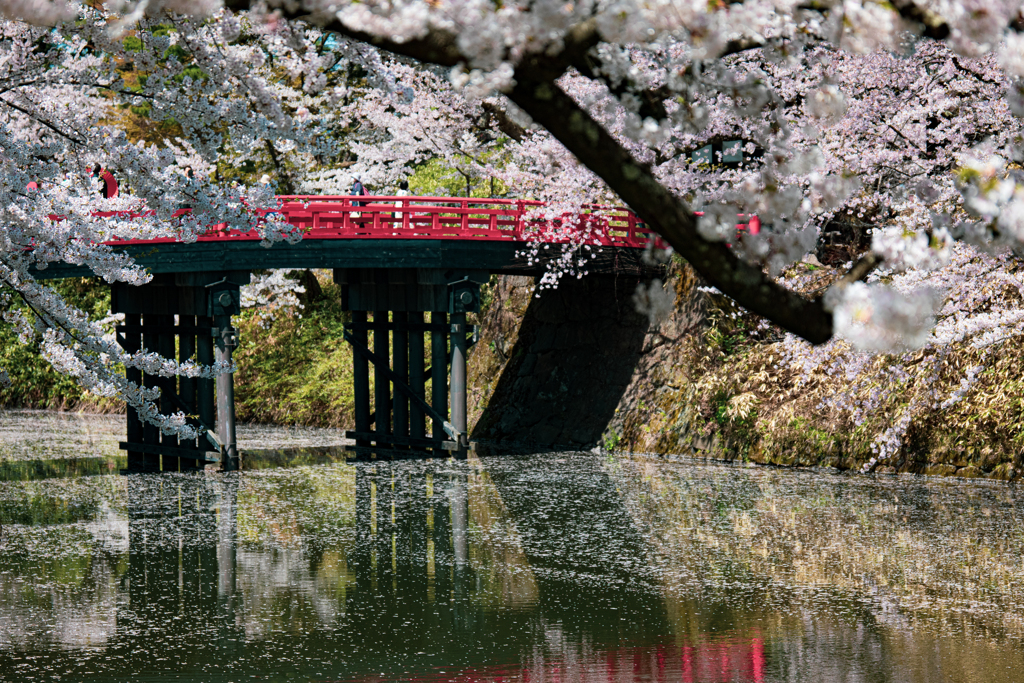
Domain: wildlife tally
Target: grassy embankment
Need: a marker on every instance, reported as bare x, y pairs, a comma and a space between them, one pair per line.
292, 370
726, 391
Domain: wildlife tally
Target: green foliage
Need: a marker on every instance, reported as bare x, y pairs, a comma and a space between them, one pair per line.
436, 178
297, 370
179, 53
193, 72
34, 383
132, 44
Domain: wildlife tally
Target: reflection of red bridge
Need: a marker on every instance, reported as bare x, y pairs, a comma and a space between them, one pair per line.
729, 661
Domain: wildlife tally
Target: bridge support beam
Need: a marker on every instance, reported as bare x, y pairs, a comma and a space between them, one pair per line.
398, 298
175, 314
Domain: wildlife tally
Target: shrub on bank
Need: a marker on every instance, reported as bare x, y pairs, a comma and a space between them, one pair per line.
34, 383
739, 389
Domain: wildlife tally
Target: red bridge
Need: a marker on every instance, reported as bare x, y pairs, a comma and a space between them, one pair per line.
396, 259
443, 218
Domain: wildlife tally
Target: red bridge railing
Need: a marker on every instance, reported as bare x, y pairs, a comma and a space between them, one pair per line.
451, 218
455, 218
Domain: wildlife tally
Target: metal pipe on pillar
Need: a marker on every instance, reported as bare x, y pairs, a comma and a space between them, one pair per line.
224, 300
458, 379
225, 341
464, 297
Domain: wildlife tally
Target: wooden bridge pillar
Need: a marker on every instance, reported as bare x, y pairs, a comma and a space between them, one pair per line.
178, 315
398, 298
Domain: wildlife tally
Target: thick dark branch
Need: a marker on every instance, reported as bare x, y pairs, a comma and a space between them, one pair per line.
504, 122
735, 47
862, 268
667, 214
438, 47
934, 26
536, 93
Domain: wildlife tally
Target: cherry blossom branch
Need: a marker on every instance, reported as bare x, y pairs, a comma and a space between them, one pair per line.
668, 215
41, 121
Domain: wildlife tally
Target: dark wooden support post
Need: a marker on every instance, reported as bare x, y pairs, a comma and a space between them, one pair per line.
361, 379
173, 316
225, 342
133, 432
204, 355
381, 385
438, 376
165, 347
401, 406
417, 380
458, 379
151, 323
400, 356
187, 386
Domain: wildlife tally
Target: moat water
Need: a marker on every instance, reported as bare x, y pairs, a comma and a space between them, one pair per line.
551, 567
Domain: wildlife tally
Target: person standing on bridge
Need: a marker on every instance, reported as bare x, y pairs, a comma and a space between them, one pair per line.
109, 189
357, 191
403, 191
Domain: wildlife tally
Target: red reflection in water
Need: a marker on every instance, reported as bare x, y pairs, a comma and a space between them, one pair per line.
727, 661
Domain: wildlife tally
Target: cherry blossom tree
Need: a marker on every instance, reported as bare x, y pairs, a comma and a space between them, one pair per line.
900, 116
59, 87
613, 82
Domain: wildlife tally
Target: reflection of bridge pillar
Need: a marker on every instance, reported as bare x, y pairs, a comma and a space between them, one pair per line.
398, 298
440, 506
360, 559
176, 311
458, 495
227, 537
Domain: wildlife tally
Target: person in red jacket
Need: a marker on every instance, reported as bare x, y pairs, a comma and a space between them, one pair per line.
109, 188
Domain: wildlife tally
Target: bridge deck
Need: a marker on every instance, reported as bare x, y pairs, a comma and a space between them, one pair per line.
401, 232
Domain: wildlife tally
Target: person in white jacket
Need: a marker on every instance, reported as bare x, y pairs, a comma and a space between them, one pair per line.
403, 191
